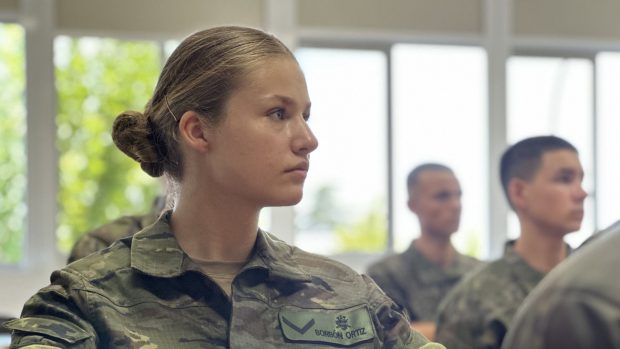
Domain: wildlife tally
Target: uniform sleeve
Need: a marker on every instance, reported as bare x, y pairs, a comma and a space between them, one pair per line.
53, 318
574, 321
393, 328
462, 322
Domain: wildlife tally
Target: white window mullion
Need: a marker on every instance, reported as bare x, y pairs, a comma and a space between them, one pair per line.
498, 19
42, 169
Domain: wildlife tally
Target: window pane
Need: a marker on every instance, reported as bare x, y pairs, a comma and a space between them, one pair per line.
608, 78
344, 206
96, 80
12, 143
553, 96
440, 116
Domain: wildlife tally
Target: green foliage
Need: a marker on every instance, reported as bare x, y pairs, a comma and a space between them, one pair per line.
324, 213
96, 80
12, 143
473, 245
364, 233
368, 234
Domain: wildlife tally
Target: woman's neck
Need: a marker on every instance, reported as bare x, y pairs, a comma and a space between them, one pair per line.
216, 229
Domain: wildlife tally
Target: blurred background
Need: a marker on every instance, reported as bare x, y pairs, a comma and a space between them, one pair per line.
393, 84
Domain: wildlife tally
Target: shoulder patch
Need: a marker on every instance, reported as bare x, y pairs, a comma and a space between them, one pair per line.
334, 326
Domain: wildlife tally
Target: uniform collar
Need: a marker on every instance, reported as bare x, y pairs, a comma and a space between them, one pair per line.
277, 257
155, 251
521, 271
511, 255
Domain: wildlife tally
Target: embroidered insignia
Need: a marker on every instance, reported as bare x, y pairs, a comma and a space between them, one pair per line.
342, 322
300, 330
344, 327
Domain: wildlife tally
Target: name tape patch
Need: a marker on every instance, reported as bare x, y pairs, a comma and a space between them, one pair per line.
343, 327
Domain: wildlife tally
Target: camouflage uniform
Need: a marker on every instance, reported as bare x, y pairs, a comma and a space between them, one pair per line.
144, 292
105, 235
416, 283
477, 312
577, 306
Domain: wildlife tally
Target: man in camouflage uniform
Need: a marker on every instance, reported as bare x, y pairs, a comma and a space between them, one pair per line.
577, 306
145, 292
542, 179
419, 278
105, 235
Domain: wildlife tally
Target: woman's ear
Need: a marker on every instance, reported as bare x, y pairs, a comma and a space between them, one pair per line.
192, 131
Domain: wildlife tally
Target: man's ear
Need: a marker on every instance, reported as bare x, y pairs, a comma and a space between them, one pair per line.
192, 131
517, 193
412, 204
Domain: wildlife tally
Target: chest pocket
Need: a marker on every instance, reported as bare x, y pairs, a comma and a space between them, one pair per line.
334, 327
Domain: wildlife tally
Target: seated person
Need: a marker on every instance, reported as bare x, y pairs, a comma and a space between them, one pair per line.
541, 177
227, 123
419, 278
576, 306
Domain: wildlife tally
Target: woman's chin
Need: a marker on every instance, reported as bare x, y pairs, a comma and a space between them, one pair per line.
287, 200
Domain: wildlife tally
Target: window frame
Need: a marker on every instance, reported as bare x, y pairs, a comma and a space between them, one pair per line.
568, 53
37, 17
361, 259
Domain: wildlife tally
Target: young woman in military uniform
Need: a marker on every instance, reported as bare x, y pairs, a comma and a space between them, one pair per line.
227, 125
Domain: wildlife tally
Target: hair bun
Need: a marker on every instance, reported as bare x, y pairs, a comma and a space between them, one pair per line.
132, 134
154, 169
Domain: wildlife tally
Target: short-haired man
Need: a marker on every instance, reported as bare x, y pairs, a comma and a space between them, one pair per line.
576, 306
541, 177
420, 277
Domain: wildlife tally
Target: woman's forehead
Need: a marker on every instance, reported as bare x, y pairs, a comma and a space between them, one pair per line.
277, 78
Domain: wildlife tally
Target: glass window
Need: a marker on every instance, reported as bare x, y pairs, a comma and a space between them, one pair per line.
96, 80
12, 143
608, 146
439, 109
554, 96
169, 47
344, 206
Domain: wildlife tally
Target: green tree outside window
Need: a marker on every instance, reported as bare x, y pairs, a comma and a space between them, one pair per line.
96, 79
12, 143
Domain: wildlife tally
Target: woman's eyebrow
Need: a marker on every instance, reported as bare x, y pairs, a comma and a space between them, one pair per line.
285, 99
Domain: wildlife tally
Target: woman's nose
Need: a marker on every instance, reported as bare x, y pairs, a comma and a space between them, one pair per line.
304, 141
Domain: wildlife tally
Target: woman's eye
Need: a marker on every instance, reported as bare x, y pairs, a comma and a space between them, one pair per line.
278, 114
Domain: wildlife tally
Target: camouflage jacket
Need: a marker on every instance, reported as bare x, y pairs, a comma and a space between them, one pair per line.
144, 292
105, 235
416, 283
477, 312
576, 306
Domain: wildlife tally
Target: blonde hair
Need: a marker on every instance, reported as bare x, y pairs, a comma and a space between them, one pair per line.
199, 76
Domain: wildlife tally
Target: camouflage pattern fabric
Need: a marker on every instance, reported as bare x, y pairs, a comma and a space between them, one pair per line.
416, 283
477, 312
144, 292
576, 306
105, 235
